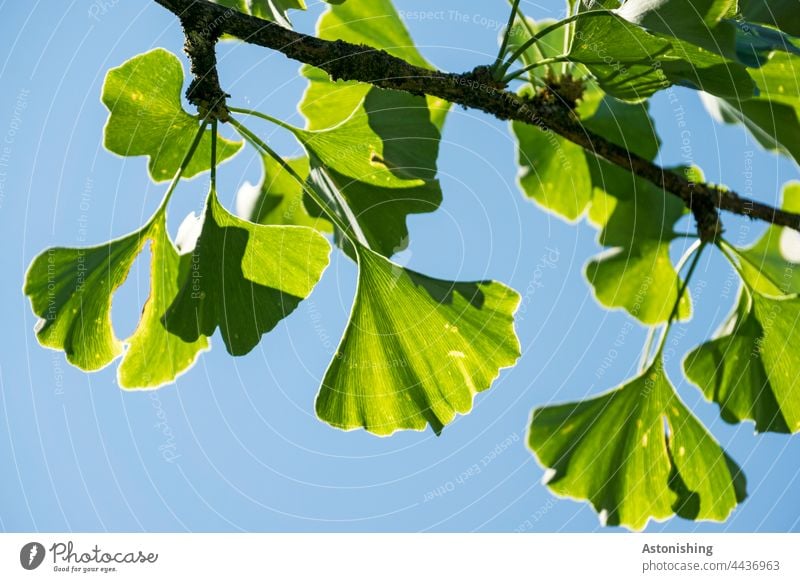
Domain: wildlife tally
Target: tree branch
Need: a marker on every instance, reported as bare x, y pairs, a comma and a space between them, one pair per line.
475, 89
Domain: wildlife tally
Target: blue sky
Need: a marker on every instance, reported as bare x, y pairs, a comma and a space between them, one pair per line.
234, 444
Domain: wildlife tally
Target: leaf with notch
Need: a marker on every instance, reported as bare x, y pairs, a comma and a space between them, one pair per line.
243, 278
146, 117
71, 290
376, 24
750, 368
380, 164
636, 453
637, 273
416, 350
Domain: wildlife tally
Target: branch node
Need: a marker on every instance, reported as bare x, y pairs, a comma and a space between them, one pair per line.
202, 33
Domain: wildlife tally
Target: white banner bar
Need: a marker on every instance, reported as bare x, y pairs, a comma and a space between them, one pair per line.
399, 557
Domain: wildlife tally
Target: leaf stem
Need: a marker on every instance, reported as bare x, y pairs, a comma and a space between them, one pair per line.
260, 145
544, 32
214, 155
548, 61
181, 169
264, 116
509, 27
696, 249
648, 348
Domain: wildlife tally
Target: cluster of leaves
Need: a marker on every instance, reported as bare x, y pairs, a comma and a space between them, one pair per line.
417, 349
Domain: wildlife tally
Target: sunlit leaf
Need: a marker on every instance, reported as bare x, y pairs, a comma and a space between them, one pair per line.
774, 260
637, 273
272, 10
278, 197
374, 23
750, 370
416, 350
143, 96
381, 164
71, 290
773, 117
636, 453
242, 278
155, 356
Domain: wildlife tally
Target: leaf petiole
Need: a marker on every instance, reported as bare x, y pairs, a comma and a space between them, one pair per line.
260, 145
509, 28
263, 116
182, 168
544, 32
548, 61
694, 253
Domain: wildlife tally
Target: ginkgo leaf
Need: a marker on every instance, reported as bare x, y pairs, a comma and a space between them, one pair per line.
243, 278
146, 117
155, 356
374, 23
636, 453
560, 175
624, 58
377, 215
71, 290
278, 197
273, 10
637, 273
381, 164
416, 349
695, 21
781, 14
382, 143
773, 117
774, 259
751, 369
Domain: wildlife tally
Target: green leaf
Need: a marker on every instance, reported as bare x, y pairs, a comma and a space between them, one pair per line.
155, 356
695, 21
242, 277
383, 143
773, 261
560, 175
273, 10
773, 117
374, 23
553, 171
416, 349
71, 290
278, 197
381, 163
624, 58
637, 274
636, 453
376, 215
779, 13
749, 369
143, 96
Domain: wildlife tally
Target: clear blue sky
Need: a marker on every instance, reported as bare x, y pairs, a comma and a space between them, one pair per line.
235, 445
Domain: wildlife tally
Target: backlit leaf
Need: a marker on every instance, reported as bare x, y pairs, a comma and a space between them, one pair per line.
636, 453
416, 350
143, 96
243, 278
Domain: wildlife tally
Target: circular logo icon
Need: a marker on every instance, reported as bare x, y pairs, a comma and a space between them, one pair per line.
31, 555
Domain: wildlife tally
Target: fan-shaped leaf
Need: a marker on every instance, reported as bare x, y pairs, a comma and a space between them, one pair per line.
243, 278
416, 349
636, 453
143, 96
